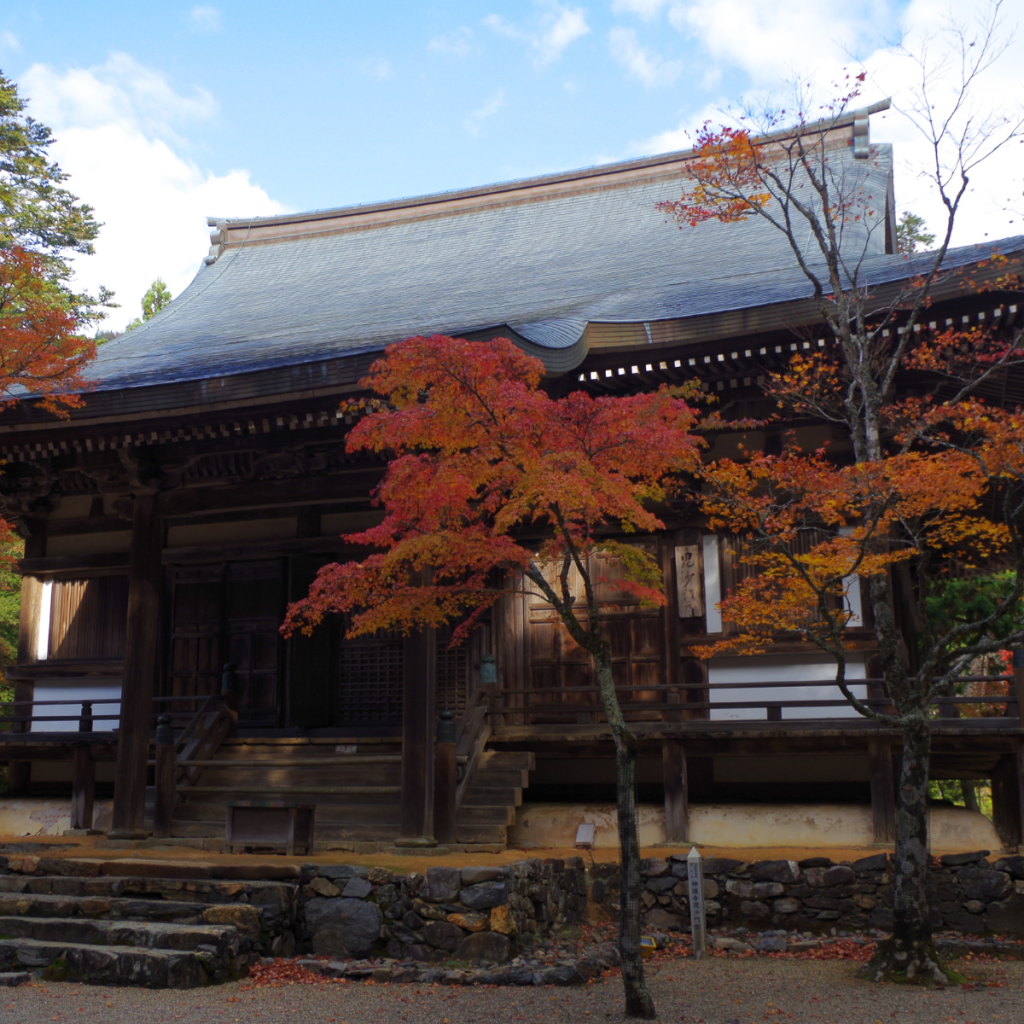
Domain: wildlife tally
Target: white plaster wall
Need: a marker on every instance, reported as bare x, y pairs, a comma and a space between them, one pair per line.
744, 826
789, 668
105, 692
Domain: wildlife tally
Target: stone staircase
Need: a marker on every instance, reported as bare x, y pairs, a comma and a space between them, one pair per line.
153, 932
495, 790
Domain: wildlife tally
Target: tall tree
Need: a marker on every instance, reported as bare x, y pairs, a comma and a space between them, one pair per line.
157, 296
482, 460
37, 213
909, 509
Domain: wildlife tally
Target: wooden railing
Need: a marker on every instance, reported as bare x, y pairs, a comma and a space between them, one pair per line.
682, 701
472, 732
22, 721
181, 757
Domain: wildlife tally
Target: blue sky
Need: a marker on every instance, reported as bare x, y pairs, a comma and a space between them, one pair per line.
166, 113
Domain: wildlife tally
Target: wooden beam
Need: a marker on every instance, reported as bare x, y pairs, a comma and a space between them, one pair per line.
355, 483
883, 790
673, 761
418, 728
145, 579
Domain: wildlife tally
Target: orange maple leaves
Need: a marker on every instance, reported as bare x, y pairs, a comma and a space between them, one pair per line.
41, 355
482, 459
872, 514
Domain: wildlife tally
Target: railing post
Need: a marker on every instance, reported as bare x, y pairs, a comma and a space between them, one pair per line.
164, 778
445, 777
231, 694
83, 785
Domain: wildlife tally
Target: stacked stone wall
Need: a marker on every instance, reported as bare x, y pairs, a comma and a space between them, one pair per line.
967, 893
471, 913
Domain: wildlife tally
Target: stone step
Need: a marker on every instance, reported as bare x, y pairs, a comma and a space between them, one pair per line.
221, 939
111, 965
276, 896
121, 908
11, 979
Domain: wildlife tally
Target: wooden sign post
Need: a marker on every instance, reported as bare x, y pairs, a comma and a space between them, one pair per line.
698, 927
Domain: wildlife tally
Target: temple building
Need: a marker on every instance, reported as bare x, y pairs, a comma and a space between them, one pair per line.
171, 518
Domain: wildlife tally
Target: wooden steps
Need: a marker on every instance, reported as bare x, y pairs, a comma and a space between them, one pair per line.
495, 791
357, 793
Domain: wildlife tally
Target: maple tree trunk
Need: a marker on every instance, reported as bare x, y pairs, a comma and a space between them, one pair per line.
638, 999
908, 954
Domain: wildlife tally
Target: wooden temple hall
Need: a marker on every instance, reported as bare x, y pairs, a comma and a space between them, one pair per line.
170, 520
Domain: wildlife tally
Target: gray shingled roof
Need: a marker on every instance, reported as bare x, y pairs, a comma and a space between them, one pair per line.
546, 268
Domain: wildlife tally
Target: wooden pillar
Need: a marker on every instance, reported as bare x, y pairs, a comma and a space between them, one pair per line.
673, 762
19, 773
1008, 798
1017, 686
445, 778
883, 790
418, 727
145, 576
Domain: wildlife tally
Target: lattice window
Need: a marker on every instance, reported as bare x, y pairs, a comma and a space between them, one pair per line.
370, 685
452, 673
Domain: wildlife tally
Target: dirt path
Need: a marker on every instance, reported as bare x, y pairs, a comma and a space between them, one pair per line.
719, 991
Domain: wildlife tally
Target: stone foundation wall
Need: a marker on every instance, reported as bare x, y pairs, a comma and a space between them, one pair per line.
472, 913
966, 892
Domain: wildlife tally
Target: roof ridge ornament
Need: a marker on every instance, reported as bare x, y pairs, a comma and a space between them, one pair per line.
862, 127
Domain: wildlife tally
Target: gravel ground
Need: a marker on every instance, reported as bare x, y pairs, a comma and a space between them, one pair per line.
716, 991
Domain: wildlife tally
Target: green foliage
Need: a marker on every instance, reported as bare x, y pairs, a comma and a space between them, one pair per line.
910, 233
36, 211
973, 599
158, 296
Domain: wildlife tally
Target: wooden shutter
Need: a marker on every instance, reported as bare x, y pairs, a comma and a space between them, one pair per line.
87, 618
255, 608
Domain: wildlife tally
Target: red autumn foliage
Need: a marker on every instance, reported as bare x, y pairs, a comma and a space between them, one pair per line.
480, 456
41, 355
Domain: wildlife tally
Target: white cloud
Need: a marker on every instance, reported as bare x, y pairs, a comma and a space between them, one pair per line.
650, 68
476, 119
206, 19
377, 67
646, 9
770, 41
9, 41
559, 27
758, 38
115, 128
457, 43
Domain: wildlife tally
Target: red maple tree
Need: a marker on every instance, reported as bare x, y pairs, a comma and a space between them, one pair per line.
481, 458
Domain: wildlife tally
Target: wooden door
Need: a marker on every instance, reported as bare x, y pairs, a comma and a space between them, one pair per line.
197, 652
255, 608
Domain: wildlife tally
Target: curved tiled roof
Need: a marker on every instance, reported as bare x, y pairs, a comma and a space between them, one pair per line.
545, 263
